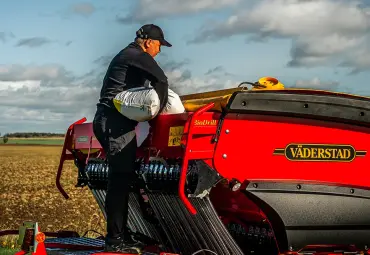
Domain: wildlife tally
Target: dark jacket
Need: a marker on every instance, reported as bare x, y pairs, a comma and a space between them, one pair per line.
132, 67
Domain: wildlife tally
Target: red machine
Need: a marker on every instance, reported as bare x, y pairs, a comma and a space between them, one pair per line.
246, 172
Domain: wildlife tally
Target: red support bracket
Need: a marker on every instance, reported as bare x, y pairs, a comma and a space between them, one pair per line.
67, 141
187, 153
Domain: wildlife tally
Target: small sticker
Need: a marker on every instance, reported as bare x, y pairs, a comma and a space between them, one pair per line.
82, 139
175, 134
205, 123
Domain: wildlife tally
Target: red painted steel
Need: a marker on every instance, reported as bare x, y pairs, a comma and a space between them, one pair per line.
259, 136
67, 147
192, 152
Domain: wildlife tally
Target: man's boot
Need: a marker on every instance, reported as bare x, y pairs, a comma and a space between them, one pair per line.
124, 243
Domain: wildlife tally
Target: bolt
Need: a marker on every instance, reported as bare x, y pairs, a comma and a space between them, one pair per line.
352, 191
236, 186
299, 186
227, 131
224, 156
255, 185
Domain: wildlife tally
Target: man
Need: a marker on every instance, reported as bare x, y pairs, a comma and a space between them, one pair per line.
131, 67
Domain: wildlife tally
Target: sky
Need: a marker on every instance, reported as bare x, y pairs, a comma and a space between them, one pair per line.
54, 54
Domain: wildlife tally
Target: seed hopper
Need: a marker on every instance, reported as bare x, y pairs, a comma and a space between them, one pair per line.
240, 172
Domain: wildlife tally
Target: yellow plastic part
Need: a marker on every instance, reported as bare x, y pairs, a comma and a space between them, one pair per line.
269, 83
86, 151
193, 102
117, 104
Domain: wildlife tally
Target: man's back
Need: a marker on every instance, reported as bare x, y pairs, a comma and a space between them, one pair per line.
131, 67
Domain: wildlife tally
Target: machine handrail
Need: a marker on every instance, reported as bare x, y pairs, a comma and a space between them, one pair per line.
63, 156
185, 161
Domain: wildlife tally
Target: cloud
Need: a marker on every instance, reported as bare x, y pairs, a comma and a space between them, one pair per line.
5, 36
182, 81
44, 87
319, 33
103, 61
46, 97
217, 71
51, 73
33, 42
148, 10
83, 9
56, 100
171, 65
316, 83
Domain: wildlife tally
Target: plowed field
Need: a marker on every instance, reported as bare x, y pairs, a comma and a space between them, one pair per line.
28, 192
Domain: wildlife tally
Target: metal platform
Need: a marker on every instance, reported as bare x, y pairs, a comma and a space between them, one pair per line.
79, 243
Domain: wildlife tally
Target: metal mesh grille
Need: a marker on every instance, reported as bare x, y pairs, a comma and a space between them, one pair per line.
77, 241
70, 252
135, 221
190, 233
64, 252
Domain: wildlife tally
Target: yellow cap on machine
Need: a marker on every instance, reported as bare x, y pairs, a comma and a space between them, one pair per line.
268, 83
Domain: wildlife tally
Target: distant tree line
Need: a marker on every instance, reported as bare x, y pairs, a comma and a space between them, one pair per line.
32, 135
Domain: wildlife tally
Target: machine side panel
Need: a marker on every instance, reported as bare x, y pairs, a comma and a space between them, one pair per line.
317, 214
255, 147
296, 155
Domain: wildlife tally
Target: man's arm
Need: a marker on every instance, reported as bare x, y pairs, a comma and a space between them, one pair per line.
162, 90
156, 76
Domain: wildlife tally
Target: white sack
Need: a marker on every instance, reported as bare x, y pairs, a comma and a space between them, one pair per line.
174, 104
142, 104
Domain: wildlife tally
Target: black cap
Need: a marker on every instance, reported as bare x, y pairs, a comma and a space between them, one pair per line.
151, 31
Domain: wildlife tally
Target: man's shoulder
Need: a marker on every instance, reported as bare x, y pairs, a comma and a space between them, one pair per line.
133, 54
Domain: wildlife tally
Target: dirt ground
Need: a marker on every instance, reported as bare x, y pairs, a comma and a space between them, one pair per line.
28, 192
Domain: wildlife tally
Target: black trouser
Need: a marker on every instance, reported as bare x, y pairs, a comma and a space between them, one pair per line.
116, 134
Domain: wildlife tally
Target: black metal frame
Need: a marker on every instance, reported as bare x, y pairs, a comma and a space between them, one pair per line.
307, 104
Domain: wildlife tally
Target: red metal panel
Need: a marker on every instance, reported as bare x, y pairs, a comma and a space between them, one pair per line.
160, 127
161, 140
84, 137
246, 150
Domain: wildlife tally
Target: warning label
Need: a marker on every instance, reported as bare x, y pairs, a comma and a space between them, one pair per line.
175, 135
